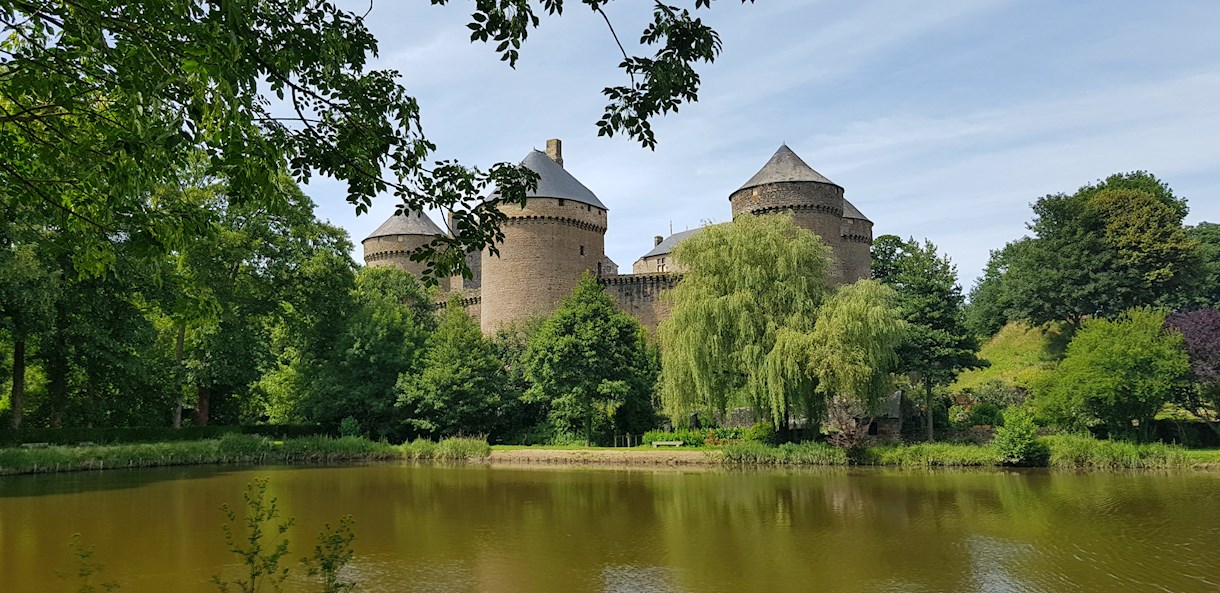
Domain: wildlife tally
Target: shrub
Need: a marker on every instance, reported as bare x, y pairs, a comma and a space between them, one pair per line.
1016, 442
349, 427
762, 432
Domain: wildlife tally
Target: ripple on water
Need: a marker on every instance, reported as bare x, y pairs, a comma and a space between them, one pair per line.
639, 579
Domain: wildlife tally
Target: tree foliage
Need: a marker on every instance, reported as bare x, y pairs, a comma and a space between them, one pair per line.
1200, 331
1117, 372
853, 348
747, 283
102, 103
938, 346
460, 385
1110, 246
590, 366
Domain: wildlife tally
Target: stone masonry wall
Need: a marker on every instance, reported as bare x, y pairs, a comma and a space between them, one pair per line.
856, 249
815, 206
548, 245
639, 295
395, 251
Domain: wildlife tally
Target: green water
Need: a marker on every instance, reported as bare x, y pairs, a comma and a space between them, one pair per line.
543, 530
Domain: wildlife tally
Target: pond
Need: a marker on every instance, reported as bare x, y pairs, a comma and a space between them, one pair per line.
508, 529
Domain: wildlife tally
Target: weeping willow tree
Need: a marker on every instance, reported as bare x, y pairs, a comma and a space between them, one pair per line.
747, 284
853, 346
852, 352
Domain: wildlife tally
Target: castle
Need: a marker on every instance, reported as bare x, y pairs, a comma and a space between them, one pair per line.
559, 234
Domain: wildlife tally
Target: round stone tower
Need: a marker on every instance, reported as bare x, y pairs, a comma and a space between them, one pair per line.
857, 242
548, 244
392, 243
787, 184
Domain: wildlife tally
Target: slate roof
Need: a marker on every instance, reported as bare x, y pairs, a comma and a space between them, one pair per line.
850, 211
785, 166
407, 223
671, 241
555, 182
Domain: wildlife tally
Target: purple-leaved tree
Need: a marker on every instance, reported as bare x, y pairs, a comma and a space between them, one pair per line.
1201, 331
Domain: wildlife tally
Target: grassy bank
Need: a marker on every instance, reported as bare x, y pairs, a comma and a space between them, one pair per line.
232, 448
1066, 452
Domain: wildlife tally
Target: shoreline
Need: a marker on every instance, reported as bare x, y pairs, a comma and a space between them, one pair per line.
1067, 453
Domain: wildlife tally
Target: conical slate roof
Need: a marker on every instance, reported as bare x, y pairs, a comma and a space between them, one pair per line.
850, 211
785, 166
555, 182
407, 223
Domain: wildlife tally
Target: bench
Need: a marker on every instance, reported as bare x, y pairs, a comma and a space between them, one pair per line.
35, 445
656, 444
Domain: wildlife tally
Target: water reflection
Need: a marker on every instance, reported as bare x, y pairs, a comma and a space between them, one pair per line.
540, 530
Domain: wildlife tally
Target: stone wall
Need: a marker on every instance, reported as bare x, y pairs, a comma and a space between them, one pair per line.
856, 249
548, 244
639, 295
395, 251
814, 206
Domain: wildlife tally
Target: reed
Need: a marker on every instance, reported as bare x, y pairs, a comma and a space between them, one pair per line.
232, 448
1084, 452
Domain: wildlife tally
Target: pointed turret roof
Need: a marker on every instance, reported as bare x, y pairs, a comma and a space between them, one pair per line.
785, 166
555, 182
406, 223
850, 211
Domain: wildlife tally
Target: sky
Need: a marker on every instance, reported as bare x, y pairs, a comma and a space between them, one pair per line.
943, 120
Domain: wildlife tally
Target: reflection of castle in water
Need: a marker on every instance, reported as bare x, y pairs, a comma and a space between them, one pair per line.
559, 234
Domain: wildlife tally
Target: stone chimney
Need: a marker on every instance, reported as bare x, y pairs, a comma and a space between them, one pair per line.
554, 149
656, 240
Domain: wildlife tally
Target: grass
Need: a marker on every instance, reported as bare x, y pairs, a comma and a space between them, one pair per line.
1082, 452
233, 448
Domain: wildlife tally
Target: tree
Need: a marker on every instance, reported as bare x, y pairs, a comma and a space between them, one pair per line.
1119, 373
990, 306
747, 282
28, 288
1108, 247
589, 364
101, 103
381, 339
853, 351
938, 345
1207, 290
1200, 331
459, 387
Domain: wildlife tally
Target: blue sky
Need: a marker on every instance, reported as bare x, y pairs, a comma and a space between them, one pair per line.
942, 120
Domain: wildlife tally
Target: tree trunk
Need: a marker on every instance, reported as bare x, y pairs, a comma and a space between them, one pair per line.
91, 408
179, 385
58, 388
17, 400
203, 395
927, 383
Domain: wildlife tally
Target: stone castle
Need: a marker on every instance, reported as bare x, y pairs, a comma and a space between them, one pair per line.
560, 234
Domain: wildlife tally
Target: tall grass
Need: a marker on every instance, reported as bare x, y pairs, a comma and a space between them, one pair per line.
1075, 452
785, 454
232, 448
932, 455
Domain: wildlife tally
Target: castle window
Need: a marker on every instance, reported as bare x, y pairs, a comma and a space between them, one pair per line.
561, 201
582, 250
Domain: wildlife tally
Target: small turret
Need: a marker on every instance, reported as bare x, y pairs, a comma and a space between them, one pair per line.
394, 241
